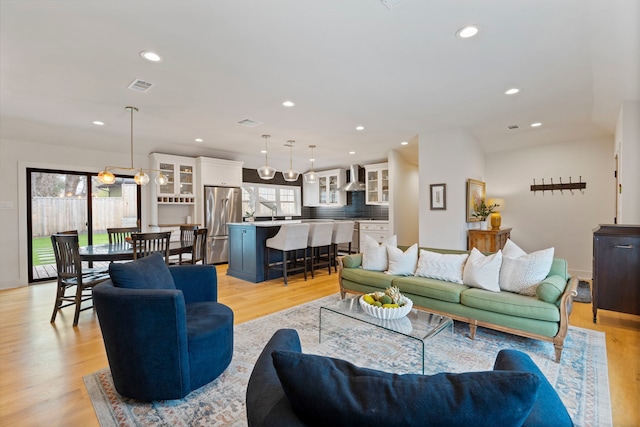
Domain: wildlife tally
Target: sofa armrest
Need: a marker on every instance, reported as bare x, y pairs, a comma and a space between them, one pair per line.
146, 327
266, 402
548, 410
347, 261
198, 283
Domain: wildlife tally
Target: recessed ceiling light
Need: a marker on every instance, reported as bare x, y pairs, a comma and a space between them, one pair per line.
404, 143
512, 91
352, 152
288, 103
359, 127
536, 124
150, 56
98, 123
199, 140
263, 151
466, 32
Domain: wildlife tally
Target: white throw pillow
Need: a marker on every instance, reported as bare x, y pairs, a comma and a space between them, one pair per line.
521, 272
374, 254
402, 263
482, 271
447, 267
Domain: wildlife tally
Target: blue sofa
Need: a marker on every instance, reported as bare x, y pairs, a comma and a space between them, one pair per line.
164, 333
289, 388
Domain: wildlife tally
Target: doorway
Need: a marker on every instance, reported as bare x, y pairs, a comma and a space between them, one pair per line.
68, 200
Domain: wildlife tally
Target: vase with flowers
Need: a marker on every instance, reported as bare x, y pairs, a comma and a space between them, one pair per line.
482, 210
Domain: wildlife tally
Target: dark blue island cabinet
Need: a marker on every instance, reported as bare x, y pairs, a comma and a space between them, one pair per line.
247, 248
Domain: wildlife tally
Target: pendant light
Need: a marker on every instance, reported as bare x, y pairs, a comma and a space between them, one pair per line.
290, 175
311, 177
141, 178
266, 171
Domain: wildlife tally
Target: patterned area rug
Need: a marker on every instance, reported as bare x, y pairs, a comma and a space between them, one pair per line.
581, 379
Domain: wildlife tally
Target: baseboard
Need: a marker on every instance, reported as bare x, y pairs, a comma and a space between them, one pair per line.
582, 274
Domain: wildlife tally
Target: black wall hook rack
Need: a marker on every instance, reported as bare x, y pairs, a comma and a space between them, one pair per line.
561, 186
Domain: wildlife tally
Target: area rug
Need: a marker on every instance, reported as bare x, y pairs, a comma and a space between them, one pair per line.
580, 379
584, 292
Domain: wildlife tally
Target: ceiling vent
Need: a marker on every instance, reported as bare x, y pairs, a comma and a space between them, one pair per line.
391, 4
249, 123
140, 85
512, 127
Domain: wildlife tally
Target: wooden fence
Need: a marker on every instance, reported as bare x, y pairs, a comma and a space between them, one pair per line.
53, 214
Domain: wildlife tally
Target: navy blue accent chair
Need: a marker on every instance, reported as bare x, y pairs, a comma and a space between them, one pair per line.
164, 332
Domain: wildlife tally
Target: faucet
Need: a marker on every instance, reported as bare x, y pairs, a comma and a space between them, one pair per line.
274, 210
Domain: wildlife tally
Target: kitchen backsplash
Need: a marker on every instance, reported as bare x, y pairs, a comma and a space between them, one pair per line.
355, 208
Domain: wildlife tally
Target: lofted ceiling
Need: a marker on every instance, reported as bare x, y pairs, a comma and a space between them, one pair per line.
398, 72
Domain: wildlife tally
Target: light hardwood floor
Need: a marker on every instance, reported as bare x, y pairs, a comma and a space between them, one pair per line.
41, 365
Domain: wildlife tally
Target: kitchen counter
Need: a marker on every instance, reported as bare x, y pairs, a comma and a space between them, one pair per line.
277, 222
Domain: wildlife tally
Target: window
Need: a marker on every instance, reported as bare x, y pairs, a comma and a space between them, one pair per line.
271, 200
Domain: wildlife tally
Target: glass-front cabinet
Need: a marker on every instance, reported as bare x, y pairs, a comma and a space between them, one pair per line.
180, 178
377, 182
324, 192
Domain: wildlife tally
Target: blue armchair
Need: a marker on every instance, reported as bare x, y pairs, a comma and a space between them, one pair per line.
164, 333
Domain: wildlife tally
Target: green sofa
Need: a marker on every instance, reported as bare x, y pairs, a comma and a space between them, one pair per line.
544, 317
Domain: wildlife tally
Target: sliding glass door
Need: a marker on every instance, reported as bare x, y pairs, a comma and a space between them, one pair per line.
66, 200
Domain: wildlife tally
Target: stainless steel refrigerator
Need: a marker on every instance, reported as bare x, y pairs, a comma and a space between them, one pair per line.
222, 205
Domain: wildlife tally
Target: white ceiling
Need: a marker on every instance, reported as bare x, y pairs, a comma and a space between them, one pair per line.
398, 72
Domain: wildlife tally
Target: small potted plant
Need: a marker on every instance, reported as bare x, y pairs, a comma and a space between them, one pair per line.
482, 211
249, 215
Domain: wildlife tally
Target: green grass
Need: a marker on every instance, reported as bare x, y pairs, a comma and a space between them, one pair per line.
42, 250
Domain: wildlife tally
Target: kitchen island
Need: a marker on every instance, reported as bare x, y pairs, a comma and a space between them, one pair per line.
247, 249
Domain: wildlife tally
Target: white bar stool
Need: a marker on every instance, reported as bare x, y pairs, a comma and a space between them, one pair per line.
342, 233
319, 237
290, 238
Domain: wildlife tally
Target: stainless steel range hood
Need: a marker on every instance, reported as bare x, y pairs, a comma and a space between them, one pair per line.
354, 183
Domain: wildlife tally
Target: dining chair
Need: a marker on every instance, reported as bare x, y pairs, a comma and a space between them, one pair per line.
87, 269
118, 234
145, 244
71, 274
199, 248
187, 235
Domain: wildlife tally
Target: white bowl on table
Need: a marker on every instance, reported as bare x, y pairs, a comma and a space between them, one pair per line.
384, 312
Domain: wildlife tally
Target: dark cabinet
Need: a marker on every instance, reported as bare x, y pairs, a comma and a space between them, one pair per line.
247, 251
616, 269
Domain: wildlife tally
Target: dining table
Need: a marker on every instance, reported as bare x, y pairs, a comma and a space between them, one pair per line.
124, 251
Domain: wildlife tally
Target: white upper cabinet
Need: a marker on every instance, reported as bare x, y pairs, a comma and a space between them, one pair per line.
180, 173
324, 192
220, 172
377, 182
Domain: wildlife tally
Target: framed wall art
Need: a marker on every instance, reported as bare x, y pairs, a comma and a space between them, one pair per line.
438, 197
475, 195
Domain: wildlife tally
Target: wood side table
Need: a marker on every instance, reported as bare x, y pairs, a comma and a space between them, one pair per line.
488, 240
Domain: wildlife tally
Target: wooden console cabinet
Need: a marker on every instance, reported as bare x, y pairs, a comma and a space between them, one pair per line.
616, 269
488, 240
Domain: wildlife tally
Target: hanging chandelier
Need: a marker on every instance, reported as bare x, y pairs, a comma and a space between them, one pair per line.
141, 178
311, 177
291, 174
266, 171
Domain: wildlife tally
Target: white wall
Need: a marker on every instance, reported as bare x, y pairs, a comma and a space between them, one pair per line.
447, 157
15, 157
628, 150
403, 200
564, 221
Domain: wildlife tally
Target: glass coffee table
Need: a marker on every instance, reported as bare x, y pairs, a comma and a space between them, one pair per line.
419, 326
